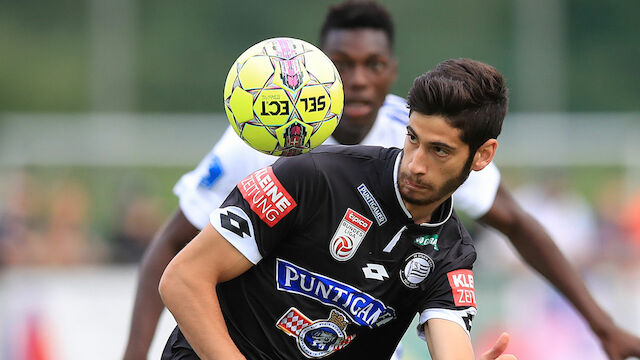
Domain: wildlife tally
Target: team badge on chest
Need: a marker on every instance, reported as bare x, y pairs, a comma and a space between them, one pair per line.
318, 338
349, 235
416, 268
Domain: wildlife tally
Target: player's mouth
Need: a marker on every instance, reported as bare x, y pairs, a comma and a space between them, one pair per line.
416, 186
357, 109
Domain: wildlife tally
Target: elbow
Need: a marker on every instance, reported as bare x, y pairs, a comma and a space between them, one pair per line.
168, 282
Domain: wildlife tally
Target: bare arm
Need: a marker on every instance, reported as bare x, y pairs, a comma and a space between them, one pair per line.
188, 289
448, 341
172, 237
536, 247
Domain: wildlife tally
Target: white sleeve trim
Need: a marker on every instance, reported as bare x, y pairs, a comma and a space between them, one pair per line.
476, 195
244, 242
445, 314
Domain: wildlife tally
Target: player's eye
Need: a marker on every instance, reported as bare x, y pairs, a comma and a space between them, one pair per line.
343, 65
440, 151
376, 66
412, 138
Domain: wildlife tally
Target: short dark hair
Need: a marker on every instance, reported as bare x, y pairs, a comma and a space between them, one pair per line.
471, 95
357, 14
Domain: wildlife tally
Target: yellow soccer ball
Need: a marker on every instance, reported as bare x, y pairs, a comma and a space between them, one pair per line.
283, 96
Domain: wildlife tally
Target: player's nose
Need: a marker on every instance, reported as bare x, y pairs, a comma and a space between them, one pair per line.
418, 163
358, 77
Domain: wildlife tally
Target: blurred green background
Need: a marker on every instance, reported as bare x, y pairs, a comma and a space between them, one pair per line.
104, 104
163, 56
155, 57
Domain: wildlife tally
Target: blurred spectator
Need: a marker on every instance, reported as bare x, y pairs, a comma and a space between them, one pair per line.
19, 225
140, 220
46, 226
68, 237
567, 215
631, 218
616, 223
541, 323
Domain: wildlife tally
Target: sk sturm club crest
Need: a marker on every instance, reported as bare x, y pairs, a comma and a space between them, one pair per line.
318, 338
350, 233
416, 268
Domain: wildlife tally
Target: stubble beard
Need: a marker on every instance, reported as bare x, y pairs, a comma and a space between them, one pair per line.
445, 190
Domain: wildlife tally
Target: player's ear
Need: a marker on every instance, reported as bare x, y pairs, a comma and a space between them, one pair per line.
484, 154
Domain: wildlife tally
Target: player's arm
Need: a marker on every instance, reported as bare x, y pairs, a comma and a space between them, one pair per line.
172, 237
188, 289
448, 341
536, 247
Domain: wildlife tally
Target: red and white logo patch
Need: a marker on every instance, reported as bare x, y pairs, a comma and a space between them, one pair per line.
267, 197
350, 233
461, 282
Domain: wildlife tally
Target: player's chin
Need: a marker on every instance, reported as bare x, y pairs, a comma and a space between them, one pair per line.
416, 197
357, 119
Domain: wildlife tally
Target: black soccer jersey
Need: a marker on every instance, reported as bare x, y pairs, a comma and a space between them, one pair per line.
340, 268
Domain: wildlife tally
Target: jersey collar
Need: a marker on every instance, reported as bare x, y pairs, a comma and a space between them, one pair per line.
443, 212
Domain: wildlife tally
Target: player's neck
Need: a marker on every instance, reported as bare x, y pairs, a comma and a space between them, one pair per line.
421, 213
351, 136
347, 134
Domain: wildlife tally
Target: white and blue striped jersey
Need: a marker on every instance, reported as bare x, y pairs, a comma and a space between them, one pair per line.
203, 189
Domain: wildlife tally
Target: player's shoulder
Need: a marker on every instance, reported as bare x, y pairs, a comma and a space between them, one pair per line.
459, 237
394, 110
230, 139
395, 102
349, 153
339, 159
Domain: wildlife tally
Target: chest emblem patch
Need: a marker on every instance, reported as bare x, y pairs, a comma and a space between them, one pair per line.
376, 209
316, 339
416, 268
375, 271
427, 240
361, 308
351, 231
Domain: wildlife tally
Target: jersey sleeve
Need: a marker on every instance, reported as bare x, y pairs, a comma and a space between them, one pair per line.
203, 189
476, 195
266, 205
451, 297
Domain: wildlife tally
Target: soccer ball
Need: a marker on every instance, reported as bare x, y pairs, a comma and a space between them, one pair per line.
283, 96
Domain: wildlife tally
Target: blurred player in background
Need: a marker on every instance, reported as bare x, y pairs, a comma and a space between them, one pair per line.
359, 39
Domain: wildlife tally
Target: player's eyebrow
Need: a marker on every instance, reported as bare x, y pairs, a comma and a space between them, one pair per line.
443, 145
432, 143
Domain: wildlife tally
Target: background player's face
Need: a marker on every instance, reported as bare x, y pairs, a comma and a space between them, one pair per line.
367, 68
435, 160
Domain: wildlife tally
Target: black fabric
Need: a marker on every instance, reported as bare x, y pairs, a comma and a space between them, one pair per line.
299, 272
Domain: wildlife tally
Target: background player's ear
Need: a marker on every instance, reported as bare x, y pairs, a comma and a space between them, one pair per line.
484, 154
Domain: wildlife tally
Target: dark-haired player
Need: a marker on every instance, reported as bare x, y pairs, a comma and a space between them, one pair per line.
334, 252
359, 37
